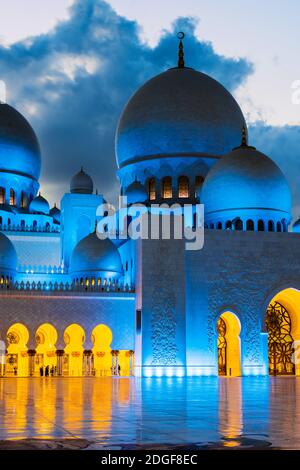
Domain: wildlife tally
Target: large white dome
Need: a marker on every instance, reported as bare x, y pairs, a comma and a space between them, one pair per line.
179, 113
246, 184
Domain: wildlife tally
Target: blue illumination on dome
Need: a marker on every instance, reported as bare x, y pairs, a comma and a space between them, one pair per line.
19, 147
180, 112
39, 205
8, 255
245, 182
55, 213
81, 183
136, 193
92, 256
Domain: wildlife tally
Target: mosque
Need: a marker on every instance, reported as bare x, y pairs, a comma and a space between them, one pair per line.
89, 307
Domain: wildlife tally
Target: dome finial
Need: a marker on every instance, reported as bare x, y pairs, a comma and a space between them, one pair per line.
244, 137
180, 36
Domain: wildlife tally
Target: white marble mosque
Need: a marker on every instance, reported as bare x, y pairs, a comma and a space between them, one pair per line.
72, 304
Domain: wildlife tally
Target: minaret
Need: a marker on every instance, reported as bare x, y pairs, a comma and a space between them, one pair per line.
180, 65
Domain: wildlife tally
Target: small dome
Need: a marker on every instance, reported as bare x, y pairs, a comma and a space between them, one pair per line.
19, 147
39, 205
8, 255
55, 214
136, 193
181, 112
246, 183
296, 226
92, 256
81, 183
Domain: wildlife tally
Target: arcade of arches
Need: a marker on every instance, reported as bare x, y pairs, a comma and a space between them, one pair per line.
73, 360
282, 324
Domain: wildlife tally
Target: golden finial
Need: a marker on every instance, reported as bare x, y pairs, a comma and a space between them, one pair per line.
180, 36
244, 137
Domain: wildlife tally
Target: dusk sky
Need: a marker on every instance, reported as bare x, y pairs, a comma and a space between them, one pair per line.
70, 66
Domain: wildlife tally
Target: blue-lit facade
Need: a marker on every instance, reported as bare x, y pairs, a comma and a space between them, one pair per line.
80, 305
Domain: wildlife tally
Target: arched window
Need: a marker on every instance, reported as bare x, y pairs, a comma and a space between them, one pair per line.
34, 225
12, 197
228, 224
47, 227
22, 223
278, 226
219, 226
8, 222
211, 225
198, 183
24, 199
238, 224
260, 225
2, 195
167, 187
183, 186
0, 220
271, 226
151, 189
250, 225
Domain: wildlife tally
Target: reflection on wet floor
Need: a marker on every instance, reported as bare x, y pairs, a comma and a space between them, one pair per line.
132, 413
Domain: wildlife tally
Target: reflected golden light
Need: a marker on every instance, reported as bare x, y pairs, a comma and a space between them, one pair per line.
230, 411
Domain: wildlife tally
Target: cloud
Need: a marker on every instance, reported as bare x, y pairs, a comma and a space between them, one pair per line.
73, 82
282, 144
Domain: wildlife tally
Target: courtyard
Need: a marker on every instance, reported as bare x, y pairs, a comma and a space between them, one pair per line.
155, 413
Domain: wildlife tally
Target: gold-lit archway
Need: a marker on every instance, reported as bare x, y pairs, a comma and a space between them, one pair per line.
102, 359
17, 363
73, 359
283, 326
229, 345
45, 359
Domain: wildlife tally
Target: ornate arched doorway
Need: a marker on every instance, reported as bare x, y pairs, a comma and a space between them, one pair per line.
45, 358
222, 346
17, 362
280, 340
229, 345
102, 362
73, 358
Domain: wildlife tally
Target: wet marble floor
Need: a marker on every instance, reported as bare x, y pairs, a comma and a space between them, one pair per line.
128, 413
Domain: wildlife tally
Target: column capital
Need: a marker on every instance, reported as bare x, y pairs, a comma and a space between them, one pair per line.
31, 352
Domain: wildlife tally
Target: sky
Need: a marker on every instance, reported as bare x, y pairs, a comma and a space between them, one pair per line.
71, 65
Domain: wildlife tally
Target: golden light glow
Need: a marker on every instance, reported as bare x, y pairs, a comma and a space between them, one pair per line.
290, 299
102, 338
17, 358
233, 344
46, 337
73, 358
